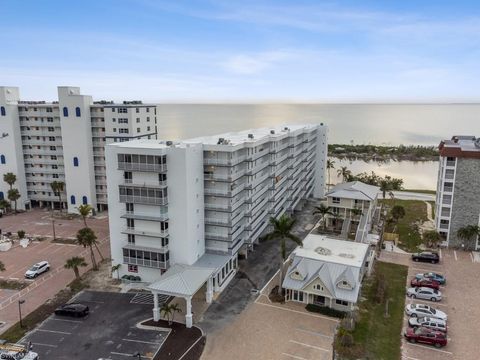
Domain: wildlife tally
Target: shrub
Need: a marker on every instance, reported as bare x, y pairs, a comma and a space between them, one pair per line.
21, 234
325, 311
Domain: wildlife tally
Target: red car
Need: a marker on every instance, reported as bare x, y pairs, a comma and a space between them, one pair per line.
425, 282
426, 336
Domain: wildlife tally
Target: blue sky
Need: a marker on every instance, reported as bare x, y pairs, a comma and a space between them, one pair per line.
182, 51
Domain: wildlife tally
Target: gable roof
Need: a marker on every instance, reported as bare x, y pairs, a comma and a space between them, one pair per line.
354, 190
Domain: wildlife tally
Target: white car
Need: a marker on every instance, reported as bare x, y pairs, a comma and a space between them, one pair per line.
421, 310
37, 269
424, 293
428, 322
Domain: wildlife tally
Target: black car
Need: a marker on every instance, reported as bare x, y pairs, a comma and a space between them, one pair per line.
75, 310
426, 256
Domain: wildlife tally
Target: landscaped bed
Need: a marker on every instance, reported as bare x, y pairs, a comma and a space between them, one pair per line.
377, 335
182, 342
13, 284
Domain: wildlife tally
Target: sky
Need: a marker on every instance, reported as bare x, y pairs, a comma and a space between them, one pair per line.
244, 51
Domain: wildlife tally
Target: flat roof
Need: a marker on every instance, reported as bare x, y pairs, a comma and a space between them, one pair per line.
320, 247
461, 146
141, 144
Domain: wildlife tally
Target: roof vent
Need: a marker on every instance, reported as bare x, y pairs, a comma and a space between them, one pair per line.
272, 132
477, 143
169, 143
250, 136
220, 141
286, 128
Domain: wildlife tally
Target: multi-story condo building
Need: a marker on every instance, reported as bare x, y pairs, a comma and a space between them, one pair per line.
353, 205
458, 189
64, 141
177, 207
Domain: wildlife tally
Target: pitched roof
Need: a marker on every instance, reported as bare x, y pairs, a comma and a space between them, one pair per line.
354, 190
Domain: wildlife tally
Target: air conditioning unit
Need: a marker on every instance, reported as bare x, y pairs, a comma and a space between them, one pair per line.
250, 136
272, 132
169, 143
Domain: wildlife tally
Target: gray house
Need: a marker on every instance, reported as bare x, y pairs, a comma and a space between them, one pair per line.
327, 272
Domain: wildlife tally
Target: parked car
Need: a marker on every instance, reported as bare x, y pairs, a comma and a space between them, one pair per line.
422, 310
37, 269
426, 256
441, 279
424, 293
428, 322
426, 336
423, 282
73, 309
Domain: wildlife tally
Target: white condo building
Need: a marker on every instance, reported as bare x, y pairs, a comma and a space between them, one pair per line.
64, 141
180, 212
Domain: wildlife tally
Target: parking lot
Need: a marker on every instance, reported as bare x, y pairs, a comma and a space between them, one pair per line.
17, 260
108, 332
460, 302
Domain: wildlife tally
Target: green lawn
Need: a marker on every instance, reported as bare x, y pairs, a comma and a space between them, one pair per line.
381, 336
409, 236
421, 191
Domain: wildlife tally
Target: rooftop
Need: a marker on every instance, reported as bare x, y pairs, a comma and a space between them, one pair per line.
354, 190
461, 146
320, 247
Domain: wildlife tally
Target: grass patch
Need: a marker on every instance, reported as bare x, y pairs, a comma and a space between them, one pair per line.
421, 191
380, 335
407, 227
13, 284
325, 311
15, 332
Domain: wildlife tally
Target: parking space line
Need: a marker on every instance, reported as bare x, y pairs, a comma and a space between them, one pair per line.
47, 345
293, 356
309, 346
142, 342
55, 331
455, 255
409, 357
427, 270
431, 303
71, 321
429, 348
314, 333
129, 355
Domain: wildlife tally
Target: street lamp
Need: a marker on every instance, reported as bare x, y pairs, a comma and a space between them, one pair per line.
137, 355
20, 302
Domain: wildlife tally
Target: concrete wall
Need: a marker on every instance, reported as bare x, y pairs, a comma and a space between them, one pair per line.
321, 161
466, 200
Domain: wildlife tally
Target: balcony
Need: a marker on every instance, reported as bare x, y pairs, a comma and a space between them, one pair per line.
131, 166
224, 192
224, 162
146, 200
451, 163
224, 177
146, 262
157, 185
155, 234
448, 189
224, 207
135, 216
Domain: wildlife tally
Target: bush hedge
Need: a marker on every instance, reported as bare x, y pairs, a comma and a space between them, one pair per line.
325, 311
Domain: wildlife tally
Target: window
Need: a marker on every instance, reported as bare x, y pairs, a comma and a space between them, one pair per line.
49, 119
335, 200
75, 161
318, 287
49, 110
148, 118
51, 129
137, 110
2, 159
53, 148
65, 111
131, 239
77, 111
2, 111
114, 129
53, 157
123, 131
54, 166
122, 110
341, 302
138, 130
148, 109
113, 109
72, 200
148, 128
1, 195
138, 120
51, 138
84, 200
123, 121
55, 176
133, 268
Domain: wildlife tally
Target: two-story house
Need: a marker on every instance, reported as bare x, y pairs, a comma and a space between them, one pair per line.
353, 206
327, 272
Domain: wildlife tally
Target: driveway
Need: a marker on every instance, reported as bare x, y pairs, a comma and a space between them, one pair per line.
254, 272
108, 332
460, 302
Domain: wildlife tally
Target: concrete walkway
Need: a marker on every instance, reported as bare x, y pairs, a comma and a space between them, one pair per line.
406, 195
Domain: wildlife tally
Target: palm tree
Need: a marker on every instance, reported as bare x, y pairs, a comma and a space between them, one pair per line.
392, 197
469, 232
431, 238
84, 210
323, 211
116, 268
10, 179
2, 266
282, 230
74, 263
14, 195
344, 173
4, 205
398, 212
87, 238
57, 188
169, 310
330, 165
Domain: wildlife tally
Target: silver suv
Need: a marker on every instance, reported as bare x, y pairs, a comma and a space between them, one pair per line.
424, 293
431, 323
37, 269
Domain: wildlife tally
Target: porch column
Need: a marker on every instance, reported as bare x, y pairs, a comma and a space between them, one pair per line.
209, 296
156, 309
188, 315
331, 302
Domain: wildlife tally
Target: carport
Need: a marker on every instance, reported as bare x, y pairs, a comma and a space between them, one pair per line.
182, 281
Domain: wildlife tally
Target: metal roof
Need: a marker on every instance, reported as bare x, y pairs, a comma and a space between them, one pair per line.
354, 190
